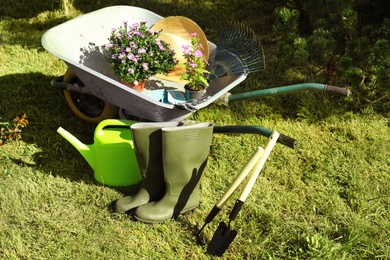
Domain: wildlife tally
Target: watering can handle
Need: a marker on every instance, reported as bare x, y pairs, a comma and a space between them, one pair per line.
113, 122
251, 129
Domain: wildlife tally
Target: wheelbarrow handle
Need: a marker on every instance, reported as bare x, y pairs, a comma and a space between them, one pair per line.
251, 129
59, 83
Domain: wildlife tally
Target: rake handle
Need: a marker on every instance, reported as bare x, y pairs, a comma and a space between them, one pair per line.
290, 89
337, 90
250, 129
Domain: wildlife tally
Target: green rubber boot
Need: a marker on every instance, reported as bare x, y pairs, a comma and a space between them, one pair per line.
185, 152
147, 139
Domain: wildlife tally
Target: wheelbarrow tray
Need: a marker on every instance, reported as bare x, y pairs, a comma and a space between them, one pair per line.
80, 43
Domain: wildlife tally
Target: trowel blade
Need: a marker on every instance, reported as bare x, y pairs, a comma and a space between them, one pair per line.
221, 240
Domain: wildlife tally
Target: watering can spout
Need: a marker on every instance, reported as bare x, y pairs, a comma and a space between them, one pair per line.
85, 150
111, 155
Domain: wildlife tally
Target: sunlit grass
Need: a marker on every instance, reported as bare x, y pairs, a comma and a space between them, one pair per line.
327, 199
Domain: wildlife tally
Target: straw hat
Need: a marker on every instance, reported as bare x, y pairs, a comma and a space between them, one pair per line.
176, 31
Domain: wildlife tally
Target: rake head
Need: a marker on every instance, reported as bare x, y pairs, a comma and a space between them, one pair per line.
239, 51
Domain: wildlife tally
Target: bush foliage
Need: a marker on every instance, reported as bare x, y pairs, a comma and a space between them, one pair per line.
345, 42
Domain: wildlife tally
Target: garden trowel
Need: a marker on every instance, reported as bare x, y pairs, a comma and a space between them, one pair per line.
224, 235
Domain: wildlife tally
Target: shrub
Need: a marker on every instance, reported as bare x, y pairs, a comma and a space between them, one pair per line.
330, 42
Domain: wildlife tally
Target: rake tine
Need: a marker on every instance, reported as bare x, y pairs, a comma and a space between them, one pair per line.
239, 51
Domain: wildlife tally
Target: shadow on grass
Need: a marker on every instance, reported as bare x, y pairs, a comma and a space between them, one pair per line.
256, 14
27, 33
46, 109
207, 14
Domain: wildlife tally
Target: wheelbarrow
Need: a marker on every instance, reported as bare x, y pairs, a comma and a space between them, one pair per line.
95, 93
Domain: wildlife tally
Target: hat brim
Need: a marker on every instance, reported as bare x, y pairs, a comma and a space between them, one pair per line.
176, 32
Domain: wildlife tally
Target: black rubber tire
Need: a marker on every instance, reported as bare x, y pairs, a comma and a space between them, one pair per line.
87, 107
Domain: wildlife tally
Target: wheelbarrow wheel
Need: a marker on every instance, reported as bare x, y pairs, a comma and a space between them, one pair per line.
85, 106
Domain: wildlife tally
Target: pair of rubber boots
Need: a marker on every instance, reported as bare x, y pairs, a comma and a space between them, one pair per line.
172, 157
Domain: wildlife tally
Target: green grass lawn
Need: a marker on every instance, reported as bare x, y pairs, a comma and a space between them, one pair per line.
326, 199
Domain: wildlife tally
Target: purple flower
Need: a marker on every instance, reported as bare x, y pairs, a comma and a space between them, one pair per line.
136, 58
145, 66
198, 53
131, 56
121, 56
186, 49
195, 63
159, 44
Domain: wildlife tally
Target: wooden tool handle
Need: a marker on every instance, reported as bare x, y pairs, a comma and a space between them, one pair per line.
241, 176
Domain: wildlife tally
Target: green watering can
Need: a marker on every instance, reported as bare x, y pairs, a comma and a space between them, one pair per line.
112, 155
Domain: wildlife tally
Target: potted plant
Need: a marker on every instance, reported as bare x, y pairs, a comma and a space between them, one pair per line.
137, 53
195, 68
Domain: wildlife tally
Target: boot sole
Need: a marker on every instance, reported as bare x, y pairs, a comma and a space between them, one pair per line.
155, 221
